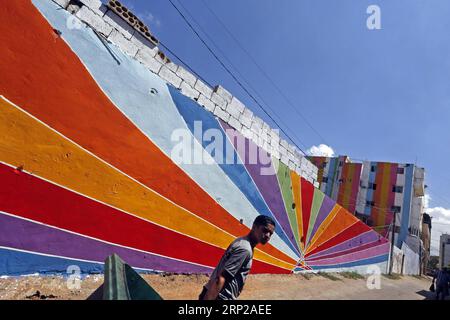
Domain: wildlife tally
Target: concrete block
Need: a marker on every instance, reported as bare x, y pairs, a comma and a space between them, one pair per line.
73, 8
291, 165
264, 136
246, 118
163, 59
205, 102
166, 74
257, 125
284, 159
283, 150
94, 5
146, 57
187, 77
291, 148
203, 88
221, 91
222, 114
266, 127
142, 42
246, 132
62, 3
276, 153
235, 107
235, 123
94, 21
284, 143
188, 91
218, 100
274, 137
259, 141
123, 43
119, 24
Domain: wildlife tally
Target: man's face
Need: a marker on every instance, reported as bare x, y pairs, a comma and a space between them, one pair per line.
263, 233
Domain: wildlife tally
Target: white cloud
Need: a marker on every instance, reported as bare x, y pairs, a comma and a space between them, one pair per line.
321, 150
439, 224
151, 19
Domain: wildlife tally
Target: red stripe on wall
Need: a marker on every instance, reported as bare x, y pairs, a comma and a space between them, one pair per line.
40, 73
351, 232
30, 197
307, 190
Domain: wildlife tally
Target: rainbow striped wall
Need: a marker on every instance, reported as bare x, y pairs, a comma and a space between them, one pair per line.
86, 168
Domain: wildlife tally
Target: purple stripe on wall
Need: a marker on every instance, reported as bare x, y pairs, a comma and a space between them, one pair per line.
362, 239
267, 184
369, 253
26, 235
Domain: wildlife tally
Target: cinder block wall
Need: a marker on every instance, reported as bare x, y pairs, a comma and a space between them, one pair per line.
217, 100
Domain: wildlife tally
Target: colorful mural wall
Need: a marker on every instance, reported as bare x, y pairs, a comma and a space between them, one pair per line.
87, 141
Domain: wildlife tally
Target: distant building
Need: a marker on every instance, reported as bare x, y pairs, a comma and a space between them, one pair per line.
374, 192
426, 240
444, 251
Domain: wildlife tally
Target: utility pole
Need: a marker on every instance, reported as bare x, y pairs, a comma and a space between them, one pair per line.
391, 264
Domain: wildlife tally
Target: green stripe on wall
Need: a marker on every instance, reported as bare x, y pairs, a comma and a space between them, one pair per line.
284, 180
317, 203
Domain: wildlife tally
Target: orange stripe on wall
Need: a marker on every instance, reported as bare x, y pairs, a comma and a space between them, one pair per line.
26, 142
51, 83
296, 190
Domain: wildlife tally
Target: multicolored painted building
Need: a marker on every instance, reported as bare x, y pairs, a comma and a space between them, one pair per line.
339, 179
87, 142
375, 191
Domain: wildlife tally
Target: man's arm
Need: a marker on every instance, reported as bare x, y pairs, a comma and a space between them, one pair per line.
215, 288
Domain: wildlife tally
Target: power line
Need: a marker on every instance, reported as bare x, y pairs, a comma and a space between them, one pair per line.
240, 74
231, 73
184, 64
289, 102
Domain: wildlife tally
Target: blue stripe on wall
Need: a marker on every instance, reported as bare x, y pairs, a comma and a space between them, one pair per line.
378, 259
191, 112
14, 262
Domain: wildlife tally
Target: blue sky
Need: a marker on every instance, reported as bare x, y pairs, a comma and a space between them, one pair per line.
381, 95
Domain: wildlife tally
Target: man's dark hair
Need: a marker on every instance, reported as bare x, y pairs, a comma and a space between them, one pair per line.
263, 220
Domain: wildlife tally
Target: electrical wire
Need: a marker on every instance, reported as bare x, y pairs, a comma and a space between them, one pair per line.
233, 75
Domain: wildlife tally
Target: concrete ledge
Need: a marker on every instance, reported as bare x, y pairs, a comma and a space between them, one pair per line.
94, 21
123, 43
203, 89
188, 91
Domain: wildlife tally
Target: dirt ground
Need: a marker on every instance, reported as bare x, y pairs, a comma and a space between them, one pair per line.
258, 287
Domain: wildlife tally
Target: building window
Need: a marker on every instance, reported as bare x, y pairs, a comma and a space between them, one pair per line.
341, 163
396, 209
400, 170
372, 169
372, 186
370, 203
397, 189
324, 165
324, 179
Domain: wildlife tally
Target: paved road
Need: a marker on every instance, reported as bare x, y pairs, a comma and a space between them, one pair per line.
265, 287
405, 288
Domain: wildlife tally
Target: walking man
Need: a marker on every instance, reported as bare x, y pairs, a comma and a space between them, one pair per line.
442, 282
228, 278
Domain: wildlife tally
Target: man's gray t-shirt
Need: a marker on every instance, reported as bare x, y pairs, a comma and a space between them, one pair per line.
235, 265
